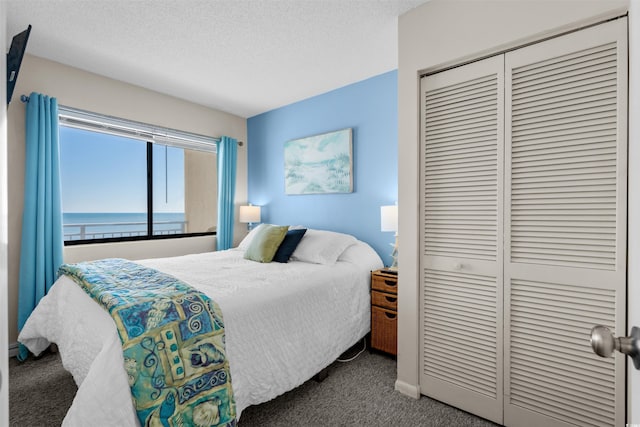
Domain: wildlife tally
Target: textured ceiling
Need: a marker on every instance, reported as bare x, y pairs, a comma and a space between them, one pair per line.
240, 56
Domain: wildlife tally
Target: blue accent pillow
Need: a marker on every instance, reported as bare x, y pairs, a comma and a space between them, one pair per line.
289, 244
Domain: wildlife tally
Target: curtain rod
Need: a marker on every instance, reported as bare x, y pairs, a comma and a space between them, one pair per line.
25, 98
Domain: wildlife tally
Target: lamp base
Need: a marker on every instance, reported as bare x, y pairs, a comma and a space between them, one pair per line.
394, 255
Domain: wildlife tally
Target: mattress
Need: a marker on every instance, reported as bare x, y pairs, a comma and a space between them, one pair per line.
283, 324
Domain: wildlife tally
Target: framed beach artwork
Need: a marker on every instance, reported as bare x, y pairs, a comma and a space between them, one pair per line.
319, 164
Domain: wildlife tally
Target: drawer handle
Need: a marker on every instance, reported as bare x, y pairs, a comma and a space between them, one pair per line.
391, 299
390, 315
390, 282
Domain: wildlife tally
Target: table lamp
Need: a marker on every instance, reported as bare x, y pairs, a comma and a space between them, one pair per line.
250, 214
389, 222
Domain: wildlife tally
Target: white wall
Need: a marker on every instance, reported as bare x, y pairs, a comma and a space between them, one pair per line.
4, 354
141, 250
634, 201
80, 89
200, 190
444, 32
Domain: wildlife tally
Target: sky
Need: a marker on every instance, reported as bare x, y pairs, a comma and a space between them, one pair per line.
103, 173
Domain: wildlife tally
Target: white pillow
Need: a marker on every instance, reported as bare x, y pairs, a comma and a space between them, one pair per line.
244, 244
322, 247
363, 255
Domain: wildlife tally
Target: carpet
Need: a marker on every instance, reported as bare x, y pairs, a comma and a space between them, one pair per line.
356, 393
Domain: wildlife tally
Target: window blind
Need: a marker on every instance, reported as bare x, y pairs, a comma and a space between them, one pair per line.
86, 120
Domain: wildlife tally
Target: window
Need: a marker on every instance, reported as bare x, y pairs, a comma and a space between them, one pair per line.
128, 181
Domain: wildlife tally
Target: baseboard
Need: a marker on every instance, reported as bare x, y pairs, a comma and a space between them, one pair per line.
13, 349
408, 389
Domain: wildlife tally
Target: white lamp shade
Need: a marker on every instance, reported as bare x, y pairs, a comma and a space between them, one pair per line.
249, 213
389, 218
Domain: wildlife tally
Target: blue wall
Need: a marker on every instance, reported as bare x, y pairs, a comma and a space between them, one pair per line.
368, 107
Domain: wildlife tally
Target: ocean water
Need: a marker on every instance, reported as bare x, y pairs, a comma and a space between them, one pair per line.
81, 226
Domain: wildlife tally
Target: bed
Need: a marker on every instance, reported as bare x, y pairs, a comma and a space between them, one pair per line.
284, 322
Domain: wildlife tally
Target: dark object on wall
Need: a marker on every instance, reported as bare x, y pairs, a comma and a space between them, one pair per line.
14, 59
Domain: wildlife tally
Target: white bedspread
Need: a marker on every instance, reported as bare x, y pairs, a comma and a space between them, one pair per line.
283, 323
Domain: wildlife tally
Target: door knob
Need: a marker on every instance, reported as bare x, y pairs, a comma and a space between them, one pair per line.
604, 343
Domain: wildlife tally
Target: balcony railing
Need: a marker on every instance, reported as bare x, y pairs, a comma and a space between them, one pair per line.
91, 231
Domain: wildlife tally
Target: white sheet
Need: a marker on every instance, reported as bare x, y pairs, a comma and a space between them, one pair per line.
283, 324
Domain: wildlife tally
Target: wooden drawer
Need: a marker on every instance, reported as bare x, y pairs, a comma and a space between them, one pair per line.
384, 300
384, 283
384, 330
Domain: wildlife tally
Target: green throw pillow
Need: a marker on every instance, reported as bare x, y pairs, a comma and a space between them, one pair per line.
265, 243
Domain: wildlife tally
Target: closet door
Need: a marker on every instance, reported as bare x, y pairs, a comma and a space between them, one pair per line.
565, 227
461, 237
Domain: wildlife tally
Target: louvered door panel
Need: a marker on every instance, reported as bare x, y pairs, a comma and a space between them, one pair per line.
565, 227
448, 313
460, 161
570, 382
461, 245
554, 148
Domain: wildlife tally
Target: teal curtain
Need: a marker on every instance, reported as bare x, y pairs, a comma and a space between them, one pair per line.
42, 242
227, 156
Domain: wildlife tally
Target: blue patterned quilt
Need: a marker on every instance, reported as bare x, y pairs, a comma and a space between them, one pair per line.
172, 339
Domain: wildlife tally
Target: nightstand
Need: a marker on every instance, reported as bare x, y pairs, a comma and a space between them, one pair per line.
384, 311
